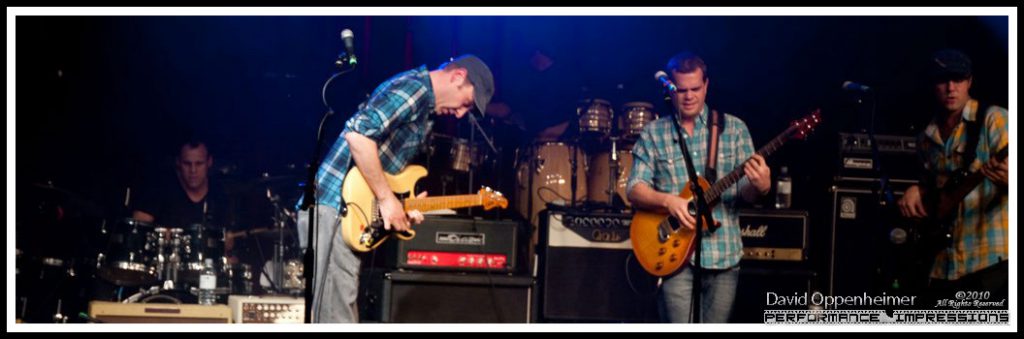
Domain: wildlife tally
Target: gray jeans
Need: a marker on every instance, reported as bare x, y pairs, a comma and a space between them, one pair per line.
717, 295
334, 293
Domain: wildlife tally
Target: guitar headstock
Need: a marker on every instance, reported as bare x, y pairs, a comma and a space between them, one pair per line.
492, 198
804, 126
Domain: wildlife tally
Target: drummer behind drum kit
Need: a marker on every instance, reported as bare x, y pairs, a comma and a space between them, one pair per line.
602, 156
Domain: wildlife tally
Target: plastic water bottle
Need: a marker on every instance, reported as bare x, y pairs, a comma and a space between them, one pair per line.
783, 190
207, 284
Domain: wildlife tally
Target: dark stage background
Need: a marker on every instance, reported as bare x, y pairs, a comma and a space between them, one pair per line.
103, 101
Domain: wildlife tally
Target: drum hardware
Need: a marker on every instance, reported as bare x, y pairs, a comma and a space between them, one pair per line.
608, 174
574, 184
613, 171
278, 272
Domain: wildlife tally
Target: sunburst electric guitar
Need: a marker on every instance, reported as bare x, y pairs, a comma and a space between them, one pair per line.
363, 229
662, 244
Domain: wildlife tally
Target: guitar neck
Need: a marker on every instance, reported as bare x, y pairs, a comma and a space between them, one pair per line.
448, 201
716, 190
965, 186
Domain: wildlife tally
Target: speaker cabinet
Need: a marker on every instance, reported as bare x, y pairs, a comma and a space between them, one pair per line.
587, 271
872, 247
760, 282
440, 297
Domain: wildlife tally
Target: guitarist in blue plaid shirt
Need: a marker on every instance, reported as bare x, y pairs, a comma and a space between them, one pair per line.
383, 135
659, 174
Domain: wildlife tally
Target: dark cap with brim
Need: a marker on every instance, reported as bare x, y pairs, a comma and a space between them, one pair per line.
480, 75
949, 64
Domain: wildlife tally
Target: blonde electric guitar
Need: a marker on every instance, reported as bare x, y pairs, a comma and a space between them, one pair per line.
661, 244
363, 229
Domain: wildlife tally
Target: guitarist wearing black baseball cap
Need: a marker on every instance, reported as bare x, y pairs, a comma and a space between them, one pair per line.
963, 191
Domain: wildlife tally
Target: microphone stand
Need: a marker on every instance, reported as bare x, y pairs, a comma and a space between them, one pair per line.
278, 258
309, 202
885, 190
472, 149
700, 209
884, 193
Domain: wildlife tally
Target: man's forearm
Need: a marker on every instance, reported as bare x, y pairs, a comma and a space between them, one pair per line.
750, 193
364, 152
645, 197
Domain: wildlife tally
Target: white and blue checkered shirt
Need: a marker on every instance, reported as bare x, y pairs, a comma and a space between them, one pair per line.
658, 162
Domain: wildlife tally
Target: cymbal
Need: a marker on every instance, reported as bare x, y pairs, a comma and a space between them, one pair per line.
50, 187
71, 202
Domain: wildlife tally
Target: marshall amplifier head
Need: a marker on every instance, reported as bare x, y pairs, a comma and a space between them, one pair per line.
456, 244
775, 235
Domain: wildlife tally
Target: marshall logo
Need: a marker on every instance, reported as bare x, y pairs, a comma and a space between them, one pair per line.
750, 232
459, 238
786, 241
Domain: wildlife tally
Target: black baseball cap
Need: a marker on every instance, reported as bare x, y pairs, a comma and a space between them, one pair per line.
949, 64
480, 76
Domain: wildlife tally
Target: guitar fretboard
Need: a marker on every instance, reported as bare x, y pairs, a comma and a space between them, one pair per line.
716, 190
437, 203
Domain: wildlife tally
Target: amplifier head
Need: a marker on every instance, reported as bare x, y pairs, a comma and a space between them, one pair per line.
250, 309
775, 235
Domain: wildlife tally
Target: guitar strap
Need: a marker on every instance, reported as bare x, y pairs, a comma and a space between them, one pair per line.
713, 128
973, 135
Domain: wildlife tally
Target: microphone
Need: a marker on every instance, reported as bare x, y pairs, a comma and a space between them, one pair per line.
853, 86
665, 81
349, 55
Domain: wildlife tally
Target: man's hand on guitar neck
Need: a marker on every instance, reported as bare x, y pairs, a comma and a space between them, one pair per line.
997, 171
393, 214
760, 175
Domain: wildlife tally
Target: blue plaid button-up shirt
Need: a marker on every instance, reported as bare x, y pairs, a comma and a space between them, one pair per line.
658, 162
396, 117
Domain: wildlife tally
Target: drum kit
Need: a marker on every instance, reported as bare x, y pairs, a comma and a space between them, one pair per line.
168, 261
68, 253
141, 253
600, 154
